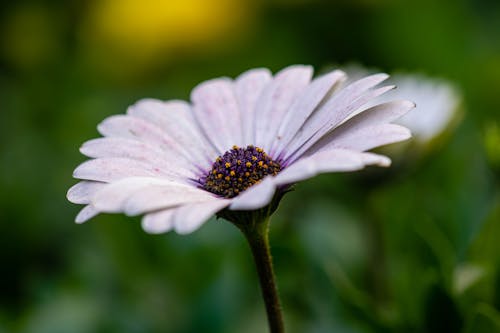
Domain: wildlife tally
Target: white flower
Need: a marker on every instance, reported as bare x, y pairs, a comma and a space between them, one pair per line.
437, 102
237, 144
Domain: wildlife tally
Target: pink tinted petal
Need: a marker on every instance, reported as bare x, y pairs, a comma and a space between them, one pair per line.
158, 222
366, 138
140, 151
256, 196
304, 106
163, 196
342, 104
374, 116
112, 197
81, 192
217, 112
190, 217
249, 87
138, 129
177, 120
114, 168
333, 160
376, 159
86, 214
275, 101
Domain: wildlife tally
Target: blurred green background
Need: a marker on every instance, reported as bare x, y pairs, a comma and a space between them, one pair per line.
412, 249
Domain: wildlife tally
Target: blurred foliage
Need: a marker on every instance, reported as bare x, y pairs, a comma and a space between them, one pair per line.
410, 249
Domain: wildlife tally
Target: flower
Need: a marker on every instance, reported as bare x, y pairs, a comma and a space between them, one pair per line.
236, 146
437, 102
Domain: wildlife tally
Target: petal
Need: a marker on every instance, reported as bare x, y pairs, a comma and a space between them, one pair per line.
137, 195
114, 168
158, 222
374, 116
333, 112
111, 198
249, 87
366, 138
217, 112
176, 119
184, 219
304, 106
256, 196
163, 196
86, 214
188, 218
333, 160
139, 151
138, 129
275, 101
81, 192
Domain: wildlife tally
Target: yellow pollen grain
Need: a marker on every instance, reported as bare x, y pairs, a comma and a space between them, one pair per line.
259, 150
254, 158
247, 174
240, 180
227, 178
219, 175
265, 166
260, 163
235, 147
214, 172
232, 173
238, 162
248, 164
228, 165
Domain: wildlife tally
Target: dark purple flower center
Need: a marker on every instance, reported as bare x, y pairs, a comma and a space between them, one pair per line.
237, 170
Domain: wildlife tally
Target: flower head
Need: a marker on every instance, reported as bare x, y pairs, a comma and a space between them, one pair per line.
236, 146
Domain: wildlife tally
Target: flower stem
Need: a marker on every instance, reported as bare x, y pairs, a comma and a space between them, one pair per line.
256, 234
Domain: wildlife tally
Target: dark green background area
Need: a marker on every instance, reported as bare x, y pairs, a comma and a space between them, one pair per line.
374, 251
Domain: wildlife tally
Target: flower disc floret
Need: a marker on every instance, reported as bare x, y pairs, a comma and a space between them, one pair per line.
237, 170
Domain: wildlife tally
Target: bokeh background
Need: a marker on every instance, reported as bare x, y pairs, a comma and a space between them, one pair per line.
412, 249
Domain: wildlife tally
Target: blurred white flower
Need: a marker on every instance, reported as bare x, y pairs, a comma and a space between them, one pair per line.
236, 146
437, 102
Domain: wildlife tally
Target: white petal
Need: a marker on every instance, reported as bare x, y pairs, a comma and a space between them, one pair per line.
249, 87
184, 219
370, 118
335, 111
111, 198
163, 196
114, 168
376, 159
137, 195
81, 192
217, 112
255, 197
140, 151
275, 101
158, 222
333, 160
304, 106
367, 138
176, 119
138, 129
86, 214
188, 218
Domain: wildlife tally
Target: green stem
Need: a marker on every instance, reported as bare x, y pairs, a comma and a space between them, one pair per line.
256, 234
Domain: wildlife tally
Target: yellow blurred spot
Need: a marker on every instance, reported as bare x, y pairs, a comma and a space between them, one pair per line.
151, 31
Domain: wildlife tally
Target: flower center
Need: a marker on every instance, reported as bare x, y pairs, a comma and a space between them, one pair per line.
237, 170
